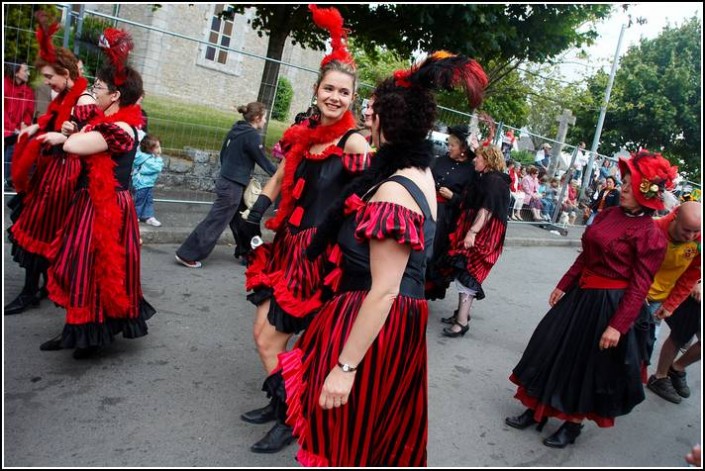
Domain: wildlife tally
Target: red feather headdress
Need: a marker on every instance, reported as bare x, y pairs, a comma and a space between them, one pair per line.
331, 20
45, 33
446, 71
117, 44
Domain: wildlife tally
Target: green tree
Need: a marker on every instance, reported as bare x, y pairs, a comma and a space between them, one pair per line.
282, 101
20, 44
656, 100
505, 34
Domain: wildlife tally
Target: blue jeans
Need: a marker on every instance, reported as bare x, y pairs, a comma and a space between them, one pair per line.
8, 160
144, 203
653, 307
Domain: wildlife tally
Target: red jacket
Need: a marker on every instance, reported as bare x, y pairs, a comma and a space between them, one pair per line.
18, 105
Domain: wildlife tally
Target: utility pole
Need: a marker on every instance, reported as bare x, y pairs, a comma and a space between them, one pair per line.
601, 120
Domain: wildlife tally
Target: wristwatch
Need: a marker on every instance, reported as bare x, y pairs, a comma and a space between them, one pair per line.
346, 368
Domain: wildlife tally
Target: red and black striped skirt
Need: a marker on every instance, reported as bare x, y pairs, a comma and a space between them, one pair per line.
73, 283
385, 422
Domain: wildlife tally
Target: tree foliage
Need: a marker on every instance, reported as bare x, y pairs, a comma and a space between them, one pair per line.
282, 101
656, 99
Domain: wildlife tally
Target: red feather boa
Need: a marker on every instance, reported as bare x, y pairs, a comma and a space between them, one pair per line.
109, 253
27, 151
302, 138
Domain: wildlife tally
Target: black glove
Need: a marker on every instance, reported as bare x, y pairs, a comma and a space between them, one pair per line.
258, 209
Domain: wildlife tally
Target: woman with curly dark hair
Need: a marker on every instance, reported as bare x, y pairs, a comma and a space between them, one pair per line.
452, 173
355, 384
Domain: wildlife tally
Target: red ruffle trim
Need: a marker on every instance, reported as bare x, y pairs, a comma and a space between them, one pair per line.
29, 243
543, 410
23, 158
255, 275
384, 220
292, 305
291, 366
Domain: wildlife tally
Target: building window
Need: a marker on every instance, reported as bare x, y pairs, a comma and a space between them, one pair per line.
221, 31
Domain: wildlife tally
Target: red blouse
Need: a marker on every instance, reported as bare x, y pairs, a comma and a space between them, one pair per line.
620, 247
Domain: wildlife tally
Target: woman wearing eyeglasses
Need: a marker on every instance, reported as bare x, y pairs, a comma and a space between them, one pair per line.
43, 200
95, 271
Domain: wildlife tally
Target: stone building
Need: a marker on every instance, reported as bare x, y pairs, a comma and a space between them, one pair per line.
191, 67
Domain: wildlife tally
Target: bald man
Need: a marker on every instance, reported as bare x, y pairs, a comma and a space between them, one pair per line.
678, 276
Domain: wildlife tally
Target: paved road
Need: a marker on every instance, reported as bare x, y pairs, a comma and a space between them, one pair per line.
174, 397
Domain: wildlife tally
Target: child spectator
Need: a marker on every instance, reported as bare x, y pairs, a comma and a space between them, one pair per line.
145, 171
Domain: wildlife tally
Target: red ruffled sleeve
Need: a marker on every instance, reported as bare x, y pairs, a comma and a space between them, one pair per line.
86, 113
118, 139
356, 163
383, 220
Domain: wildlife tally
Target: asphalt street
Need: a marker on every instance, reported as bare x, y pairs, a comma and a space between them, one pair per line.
174, 397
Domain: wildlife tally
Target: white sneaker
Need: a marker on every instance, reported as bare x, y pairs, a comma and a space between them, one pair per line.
153, 222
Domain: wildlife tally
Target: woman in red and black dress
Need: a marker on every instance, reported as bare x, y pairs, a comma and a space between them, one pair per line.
356, 388
478, 239
45, 176
95, 273
585, 358
452, 172
323, 155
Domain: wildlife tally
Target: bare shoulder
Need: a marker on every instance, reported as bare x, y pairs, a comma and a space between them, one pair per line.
85, 99
356, 144
393, 192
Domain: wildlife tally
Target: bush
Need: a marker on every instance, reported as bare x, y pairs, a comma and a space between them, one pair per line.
282, 100
525, 157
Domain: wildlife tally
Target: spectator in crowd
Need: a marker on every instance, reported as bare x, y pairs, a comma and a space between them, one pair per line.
325, 154
45, 176
478, 239
570, 205
584, 358
356, 384
452, 173
532, 197
102, 293
508, 143
549, 198
606, 198
242, 149
543, 157
18, 110
581, 160
145, 172
516, 191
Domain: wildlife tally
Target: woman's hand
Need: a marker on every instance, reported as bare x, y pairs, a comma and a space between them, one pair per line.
469, 241
336, 388
52, 138
68, 128
696, 293
29, 131
445, 192
555, 296
610, 338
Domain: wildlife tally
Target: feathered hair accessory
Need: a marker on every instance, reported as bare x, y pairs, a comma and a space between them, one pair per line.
652, 175
444, 70
117, 44
491, 129
331, 20
45, 33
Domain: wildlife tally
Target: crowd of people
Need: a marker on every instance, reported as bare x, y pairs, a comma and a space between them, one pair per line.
352, 273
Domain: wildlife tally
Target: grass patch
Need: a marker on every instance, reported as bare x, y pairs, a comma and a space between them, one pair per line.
180, 124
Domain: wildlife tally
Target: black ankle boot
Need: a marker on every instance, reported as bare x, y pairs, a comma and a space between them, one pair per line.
84, 353
53, 344
564, 436
260, 416
21, 303
525, 420
277, 438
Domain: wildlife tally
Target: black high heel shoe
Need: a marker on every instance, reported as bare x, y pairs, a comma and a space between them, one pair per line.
564, 436
450, 319
448, 332
525, 420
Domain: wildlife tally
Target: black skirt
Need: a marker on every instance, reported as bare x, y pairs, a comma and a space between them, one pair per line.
563, 373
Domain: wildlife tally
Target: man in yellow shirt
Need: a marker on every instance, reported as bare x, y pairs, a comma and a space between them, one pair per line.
672, 284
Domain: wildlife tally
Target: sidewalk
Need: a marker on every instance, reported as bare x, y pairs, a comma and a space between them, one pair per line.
179, 218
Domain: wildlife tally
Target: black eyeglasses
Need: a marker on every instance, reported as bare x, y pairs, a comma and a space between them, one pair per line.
95, 87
